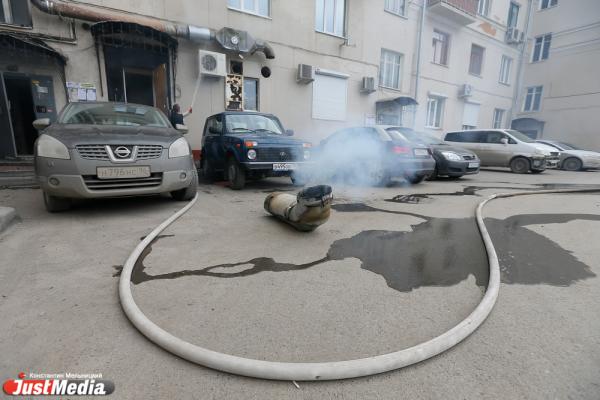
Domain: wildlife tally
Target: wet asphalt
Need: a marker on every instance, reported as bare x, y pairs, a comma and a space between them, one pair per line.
393, 267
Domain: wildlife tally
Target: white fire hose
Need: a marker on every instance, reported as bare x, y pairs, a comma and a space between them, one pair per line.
325, 370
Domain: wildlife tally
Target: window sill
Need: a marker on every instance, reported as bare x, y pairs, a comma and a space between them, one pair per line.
530, 111
15, 26
538, 61
436, 128
548, 8
399, 90
504, 84
476, 75
403, 16
440, 65
250, 13
330, 34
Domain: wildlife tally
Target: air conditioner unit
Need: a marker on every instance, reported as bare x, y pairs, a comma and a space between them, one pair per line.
514, 36
368, 84
465, 90
212, 63
306, 73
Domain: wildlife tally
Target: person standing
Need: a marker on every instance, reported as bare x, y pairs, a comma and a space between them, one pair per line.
177, 117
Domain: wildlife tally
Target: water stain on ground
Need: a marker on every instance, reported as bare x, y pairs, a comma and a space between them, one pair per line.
436, 252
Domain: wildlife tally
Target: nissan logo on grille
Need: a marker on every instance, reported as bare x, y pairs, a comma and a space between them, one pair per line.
122, 152
283, 155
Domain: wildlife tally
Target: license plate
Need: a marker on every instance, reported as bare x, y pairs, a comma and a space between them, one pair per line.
421, 152
473, 165
122, 172
284, 167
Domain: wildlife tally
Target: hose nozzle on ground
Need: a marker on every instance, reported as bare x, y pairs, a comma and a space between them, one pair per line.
305, 211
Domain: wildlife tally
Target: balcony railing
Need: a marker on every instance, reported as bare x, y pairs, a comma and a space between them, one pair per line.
461, 11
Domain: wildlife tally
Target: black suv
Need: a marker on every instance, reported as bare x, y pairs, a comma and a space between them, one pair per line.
249, 145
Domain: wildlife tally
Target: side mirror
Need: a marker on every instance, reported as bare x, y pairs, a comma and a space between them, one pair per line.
504, 140
41, 124
181, 128
289, 132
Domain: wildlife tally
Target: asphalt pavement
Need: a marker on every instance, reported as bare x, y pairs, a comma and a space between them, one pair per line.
393, 267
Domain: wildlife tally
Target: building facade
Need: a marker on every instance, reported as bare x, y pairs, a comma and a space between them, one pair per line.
434, 65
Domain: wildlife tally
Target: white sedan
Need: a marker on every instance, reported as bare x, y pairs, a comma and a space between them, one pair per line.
572, 158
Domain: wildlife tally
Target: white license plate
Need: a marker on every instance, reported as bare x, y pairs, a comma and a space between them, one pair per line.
421, 152
122, 172
284, 167
473, 165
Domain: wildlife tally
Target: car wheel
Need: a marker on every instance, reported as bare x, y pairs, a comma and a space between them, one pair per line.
188, 192
56, 204
537, 171
520, 165
572, 164
415, 179
235, 175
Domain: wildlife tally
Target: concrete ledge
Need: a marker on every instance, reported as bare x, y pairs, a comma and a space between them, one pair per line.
7, 216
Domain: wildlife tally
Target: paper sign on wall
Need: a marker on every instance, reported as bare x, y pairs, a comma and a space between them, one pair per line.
81, 91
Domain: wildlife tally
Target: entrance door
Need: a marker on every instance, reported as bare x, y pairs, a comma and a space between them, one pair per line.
7, 145
22, 113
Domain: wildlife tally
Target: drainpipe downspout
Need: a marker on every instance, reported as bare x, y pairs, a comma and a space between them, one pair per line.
520, 71
418, 67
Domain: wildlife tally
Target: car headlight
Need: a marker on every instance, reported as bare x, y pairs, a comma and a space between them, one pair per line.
448, 155
306, 154
49, 147
251, 154
179, 148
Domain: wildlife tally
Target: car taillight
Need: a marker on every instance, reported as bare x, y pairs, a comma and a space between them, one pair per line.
401, 150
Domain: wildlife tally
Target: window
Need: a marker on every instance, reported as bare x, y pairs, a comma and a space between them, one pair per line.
547, 4
441, 43
533, 98
483, 7
513, 15
498, 117
470, 115
15, 12
505, 65
329, 97
476, 61
396, 6
330, 16
541, 49
251, 94
258, 7
389, 69
435, 111
465, 137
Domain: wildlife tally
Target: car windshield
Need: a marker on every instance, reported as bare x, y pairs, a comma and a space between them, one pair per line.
113, 114
413, 136
521, 136
567, 146
254, 123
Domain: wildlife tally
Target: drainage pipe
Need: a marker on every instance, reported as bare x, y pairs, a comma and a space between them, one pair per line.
325, 370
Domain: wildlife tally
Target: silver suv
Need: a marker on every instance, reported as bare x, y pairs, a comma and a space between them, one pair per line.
105, 149
505, 148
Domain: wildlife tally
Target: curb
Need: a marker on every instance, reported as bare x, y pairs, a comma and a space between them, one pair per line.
7, 216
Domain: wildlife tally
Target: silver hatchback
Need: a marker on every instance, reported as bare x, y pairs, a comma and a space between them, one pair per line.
104, 149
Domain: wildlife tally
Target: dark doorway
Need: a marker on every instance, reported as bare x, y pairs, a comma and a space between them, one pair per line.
139, 86
22, 113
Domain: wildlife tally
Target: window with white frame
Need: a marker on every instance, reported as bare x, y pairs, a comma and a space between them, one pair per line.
15, 12
547, 4
390, 69
498, 118
476, 60
258, 7
251, 94
435, 111
541, 49
533, 98
483, 7
441, 44
330, 16
471, 115
505, 66
330, 92
396, 6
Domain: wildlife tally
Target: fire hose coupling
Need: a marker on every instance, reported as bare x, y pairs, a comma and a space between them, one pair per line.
306, 211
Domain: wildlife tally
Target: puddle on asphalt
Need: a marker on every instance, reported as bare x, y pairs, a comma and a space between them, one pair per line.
436, 252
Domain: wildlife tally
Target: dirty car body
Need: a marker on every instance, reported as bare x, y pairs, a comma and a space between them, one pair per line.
104, 149
451, 161
249, 145
373, 155
573, 158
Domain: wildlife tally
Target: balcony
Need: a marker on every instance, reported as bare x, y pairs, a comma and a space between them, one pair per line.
462, 12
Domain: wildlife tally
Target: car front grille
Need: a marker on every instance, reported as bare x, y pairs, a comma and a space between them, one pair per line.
469, 157
277, 154
93, 183
92, 151
98, 151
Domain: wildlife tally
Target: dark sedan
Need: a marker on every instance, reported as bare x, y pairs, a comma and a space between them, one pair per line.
450, 160
372, 156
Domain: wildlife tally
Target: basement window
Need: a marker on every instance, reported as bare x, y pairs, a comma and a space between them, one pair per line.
15, 12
